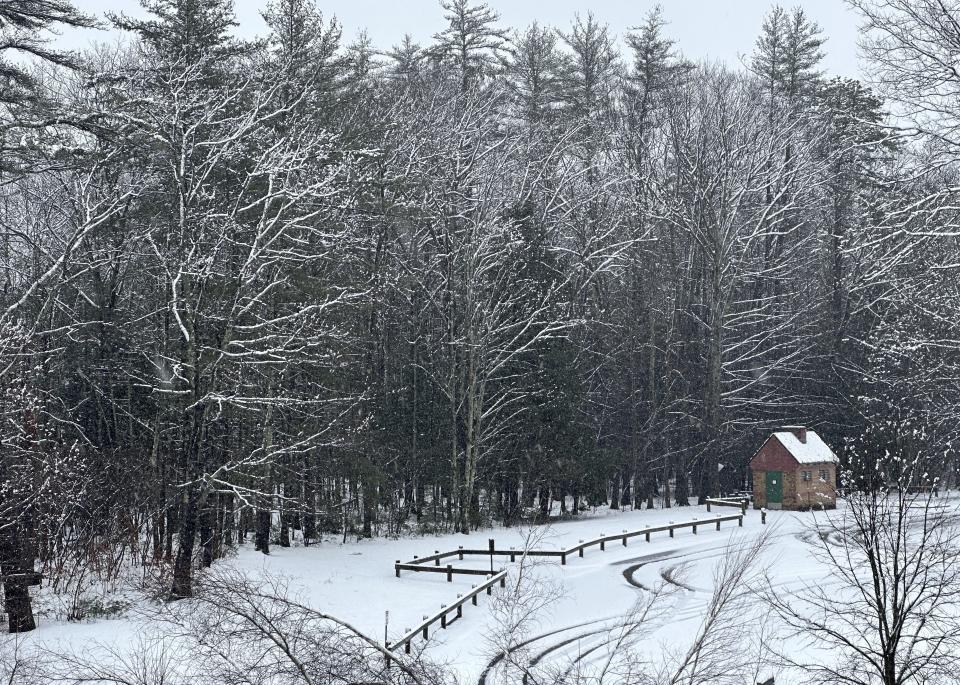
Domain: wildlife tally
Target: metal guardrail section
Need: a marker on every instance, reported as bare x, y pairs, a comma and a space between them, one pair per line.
422, 565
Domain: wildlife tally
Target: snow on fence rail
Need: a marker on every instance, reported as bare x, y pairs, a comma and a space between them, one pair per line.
441, 616
740, 502
423, 565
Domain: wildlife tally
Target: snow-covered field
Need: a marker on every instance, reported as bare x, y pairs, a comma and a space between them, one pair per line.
355, 581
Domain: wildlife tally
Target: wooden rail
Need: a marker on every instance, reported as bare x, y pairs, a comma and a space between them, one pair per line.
448, 569
740, 502
433, 564
445, 611
422, 564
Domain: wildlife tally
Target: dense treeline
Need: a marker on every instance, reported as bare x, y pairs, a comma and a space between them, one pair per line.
253, 289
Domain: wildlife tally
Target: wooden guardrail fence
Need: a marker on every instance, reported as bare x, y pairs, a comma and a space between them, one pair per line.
445, 610
740, 502
433, 564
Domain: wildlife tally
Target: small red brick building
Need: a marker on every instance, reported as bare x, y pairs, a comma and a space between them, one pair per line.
794, 469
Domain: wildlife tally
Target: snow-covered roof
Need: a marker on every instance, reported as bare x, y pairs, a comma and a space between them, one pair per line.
813, 451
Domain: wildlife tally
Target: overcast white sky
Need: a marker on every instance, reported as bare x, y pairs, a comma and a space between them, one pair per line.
717, 29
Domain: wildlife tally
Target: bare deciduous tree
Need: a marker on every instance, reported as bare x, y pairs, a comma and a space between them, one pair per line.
887, 609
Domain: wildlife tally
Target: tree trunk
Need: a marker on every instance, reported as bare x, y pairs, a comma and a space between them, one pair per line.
310, 506
681, 491
261, 536
16, 570
183, 565
172, 514
207, 542
369, 512
286, 516
545, 500
265, 496
615, 495
229, 520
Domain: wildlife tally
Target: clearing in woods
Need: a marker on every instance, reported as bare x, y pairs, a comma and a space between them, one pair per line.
357, 582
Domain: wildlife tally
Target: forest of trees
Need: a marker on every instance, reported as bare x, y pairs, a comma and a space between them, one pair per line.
270, 290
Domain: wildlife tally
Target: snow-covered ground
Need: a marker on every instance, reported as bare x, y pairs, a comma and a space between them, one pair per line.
356, 582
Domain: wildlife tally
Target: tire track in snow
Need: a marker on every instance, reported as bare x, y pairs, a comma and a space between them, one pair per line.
668, 555
633, 625
691, 610
608, 631
564, 643
500, 657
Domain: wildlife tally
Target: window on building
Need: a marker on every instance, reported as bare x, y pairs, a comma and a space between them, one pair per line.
808, 475
823, 475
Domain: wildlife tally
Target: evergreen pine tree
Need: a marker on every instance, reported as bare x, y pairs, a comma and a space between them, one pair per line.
304, 56
788, 53
655, 65
406, 61
590, 80
186, 31
534, 71
25, 26
471, 41
26, 112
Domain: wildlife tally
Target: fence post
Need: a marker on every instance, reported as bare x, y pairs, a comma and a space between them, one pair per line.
503, 581
443, 617
563, 558
460, 552
694, 526
396, 567
581, 550
708, 506
386, 641
491, 547
624, 537
740, 520
513, 555
449, 573
436, 562
671, 529
718, 523
763, 516
406, 647
647, 533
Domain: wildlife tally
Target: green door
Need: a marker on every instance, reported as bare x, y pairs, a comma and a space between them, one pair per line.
774, 487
